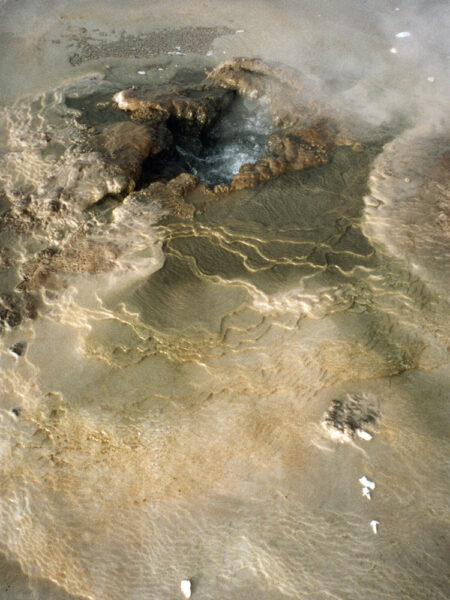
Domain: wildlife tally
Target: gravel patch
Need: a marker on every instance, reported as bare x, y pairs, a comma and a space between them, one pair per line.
182, 40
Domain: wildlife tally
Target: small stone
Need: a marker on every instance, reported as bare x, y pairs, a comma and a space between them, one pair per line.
363, 435
142, 72
18, 348
240, 30
366, 482
16, 411
209, 53
366, 493
430, 79
393, 50
185, 587
403, 34
374, 526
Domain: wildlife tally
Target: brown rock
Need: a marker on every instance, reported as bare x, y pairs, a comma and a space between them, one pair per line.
129, 144
196, 107
15, 307
171, 195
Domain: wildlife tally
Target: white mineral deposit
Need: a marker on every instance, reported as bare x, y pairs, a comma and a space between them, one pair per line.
374, 526
185, 587
366, 482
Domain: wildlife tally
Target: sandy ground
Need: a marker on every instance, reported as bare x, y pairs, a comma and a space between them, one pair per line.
44, 43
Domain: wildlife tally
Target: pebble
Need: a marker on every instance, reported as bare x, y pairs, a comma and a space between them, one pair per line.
403, 34
374, 525
393, 50
430, 79
366, 493
120, 100
363, 434
185, 587
142, 72
240, 30
366, 482
19, 348
209, 53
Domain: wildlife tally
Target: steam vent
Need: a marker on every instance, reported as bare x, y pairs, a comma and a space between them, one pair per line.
175, 137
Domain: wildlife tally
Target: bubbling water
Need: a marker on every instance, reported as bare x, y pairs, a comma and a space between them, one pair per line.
238, 138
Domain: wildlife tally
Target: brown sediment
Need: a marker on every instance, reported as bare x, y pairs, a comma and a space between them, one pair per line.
171, 195
81, 256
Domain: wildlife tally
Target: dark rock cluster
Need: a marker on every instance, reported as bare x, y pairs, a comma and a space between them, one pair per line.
350, 414
14, 307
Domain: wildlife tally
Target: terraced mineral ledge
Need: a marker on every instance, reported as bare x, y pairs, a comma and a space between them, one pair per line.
165, 143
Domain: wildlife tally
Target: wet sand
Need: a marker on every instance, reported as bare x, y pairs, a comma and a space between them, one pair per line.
162, 420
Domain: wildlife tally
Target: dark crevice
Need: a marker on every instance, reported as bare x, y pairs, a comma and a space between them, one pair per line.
214, 153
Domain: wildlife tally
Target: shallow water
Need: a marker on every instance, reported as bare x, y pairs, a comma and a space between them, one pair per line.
163, 419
